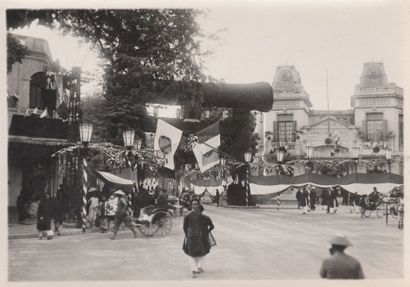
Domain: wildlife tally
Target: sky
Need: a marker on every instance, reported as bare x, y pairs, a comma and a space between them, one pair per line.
253, 40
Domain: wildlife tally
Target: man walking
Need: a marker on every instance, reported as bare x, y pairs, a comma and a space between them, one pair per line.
298, 197
340, 265
121, 214
313, 198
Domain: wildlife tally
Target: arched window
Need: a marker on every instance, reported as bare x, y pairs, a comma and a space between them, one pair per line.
36, 84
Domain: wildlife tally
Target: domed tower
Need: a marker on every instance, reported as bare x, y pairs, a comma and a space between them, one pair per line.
290, 109
378, 108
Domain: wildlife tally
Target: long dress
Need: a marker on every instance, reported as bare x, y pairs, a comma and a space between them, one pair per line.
44, 215
197, 227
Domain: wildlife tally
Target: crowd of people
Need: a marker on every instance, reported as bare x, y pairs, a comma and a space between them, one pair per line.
307, 199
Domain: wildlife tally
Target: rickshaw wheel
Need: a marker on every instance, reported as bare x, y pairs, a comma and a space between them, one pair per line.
367, 213
163, 221
148, 230
380, 212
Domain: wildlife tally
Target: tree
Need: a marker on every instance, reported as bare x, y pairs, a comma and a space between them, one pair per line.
15, 51
146, 51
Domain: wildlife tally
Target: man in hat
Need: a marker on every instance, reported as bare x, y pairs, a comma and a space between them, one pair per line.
121, 214
341, 265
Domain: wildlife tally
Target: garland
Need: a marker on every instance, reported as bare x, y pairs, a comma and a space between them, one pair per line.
118, 158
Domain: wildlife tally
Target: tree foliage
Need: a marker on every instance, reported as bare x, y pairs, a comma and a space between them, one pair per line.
15, 51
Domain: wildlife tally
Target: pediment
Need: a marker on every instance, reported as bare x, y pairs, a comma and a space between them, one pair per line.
333, 122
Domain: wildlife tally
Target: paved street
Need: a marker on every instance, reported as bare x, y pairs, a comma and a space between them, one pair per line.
252, 244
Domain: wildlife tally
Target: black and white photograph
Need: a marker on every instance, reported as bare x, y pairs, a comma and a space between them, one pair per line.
190, 143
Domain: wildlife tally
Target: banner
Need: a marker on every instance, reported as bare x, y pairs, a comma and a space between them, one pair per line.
167, 138
206, 150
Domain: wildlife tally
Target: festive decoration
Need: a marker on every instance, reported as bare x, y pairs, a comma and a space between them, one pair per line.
118, 158
85, 189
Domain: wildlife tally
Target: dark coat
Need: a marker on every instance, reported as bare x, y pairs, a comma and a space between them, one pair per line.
44, 215
341, 266
196, 229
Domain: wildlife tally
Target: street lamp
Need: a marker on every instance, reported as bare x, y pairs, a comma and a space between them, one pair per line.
128, 136
280, 154
86, 131
248, 156
388, 157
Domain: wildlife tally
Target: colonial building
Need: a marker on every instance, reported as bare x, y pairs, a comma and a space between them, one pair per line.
372, 129
38, 111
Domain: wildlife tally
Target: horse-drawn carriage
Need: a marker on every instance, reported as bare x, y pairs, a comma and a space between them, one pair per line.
150, 220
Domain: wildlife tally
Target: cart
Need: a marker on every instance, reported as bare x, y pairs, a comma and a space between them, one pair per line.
152, 220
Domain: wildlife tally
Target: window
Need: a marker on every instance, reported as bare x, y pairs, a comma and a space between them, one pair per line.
401, 130
375, 126
36, 99
285, 128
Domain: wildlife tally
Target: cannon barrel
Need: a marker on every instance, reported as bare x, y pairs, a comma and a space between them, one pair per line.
256, 96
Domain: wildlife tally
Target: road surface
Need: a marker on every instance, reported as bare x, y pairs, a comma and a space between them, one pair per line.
252, 244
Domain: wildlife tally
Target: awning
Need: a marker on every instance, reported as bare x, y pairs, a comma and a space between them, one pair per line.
107, 177
37, 141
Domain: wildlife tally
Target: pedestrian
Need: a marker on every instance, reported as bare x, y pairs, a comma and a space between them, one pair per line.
217, 196
298, 197
162, 199
103, 214
326, 200
364, 202
122, 214
57, 212
305, 199
333, 199
20, 203
313, 198
93, 207
340, 265
197, 227
44, 217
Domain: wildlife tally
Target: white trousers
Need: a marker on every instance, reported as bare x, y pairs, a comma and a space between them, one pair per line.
196, 263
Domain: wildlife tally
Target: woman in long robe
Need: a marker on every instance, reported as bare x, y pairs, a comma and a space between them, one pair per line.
197, 227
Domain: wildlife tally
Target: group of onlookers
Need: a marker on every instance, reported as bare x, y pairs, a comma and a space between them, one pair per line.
307, 199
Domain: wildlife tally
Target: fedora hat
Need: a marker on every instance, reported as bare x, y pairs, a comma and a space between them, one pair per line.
340, 240
120, 192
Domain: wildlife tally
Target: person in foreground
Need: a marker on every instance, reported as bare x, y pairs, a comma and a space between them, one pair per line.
340, 265
197, 227
122, 215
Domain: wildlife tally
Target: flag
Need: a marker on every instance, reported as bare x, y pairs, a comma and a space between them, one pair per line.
206, 150
167, 138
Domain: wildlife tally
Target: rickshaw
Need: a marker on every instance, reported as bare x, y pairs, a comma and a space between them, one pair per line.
376, 206
151, 220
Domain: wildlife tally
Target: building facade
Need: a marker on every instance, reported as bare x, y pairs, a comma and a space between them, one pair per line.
37, 123
372, 129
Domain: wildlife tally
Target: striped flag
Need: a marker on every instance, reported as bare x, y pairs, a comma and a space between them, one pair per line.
167, 138
206, 150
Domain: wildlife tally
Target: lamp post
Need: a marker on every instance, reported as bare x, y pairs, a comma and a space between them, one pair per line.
388, 157
86, 131
247, 156
128, 136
